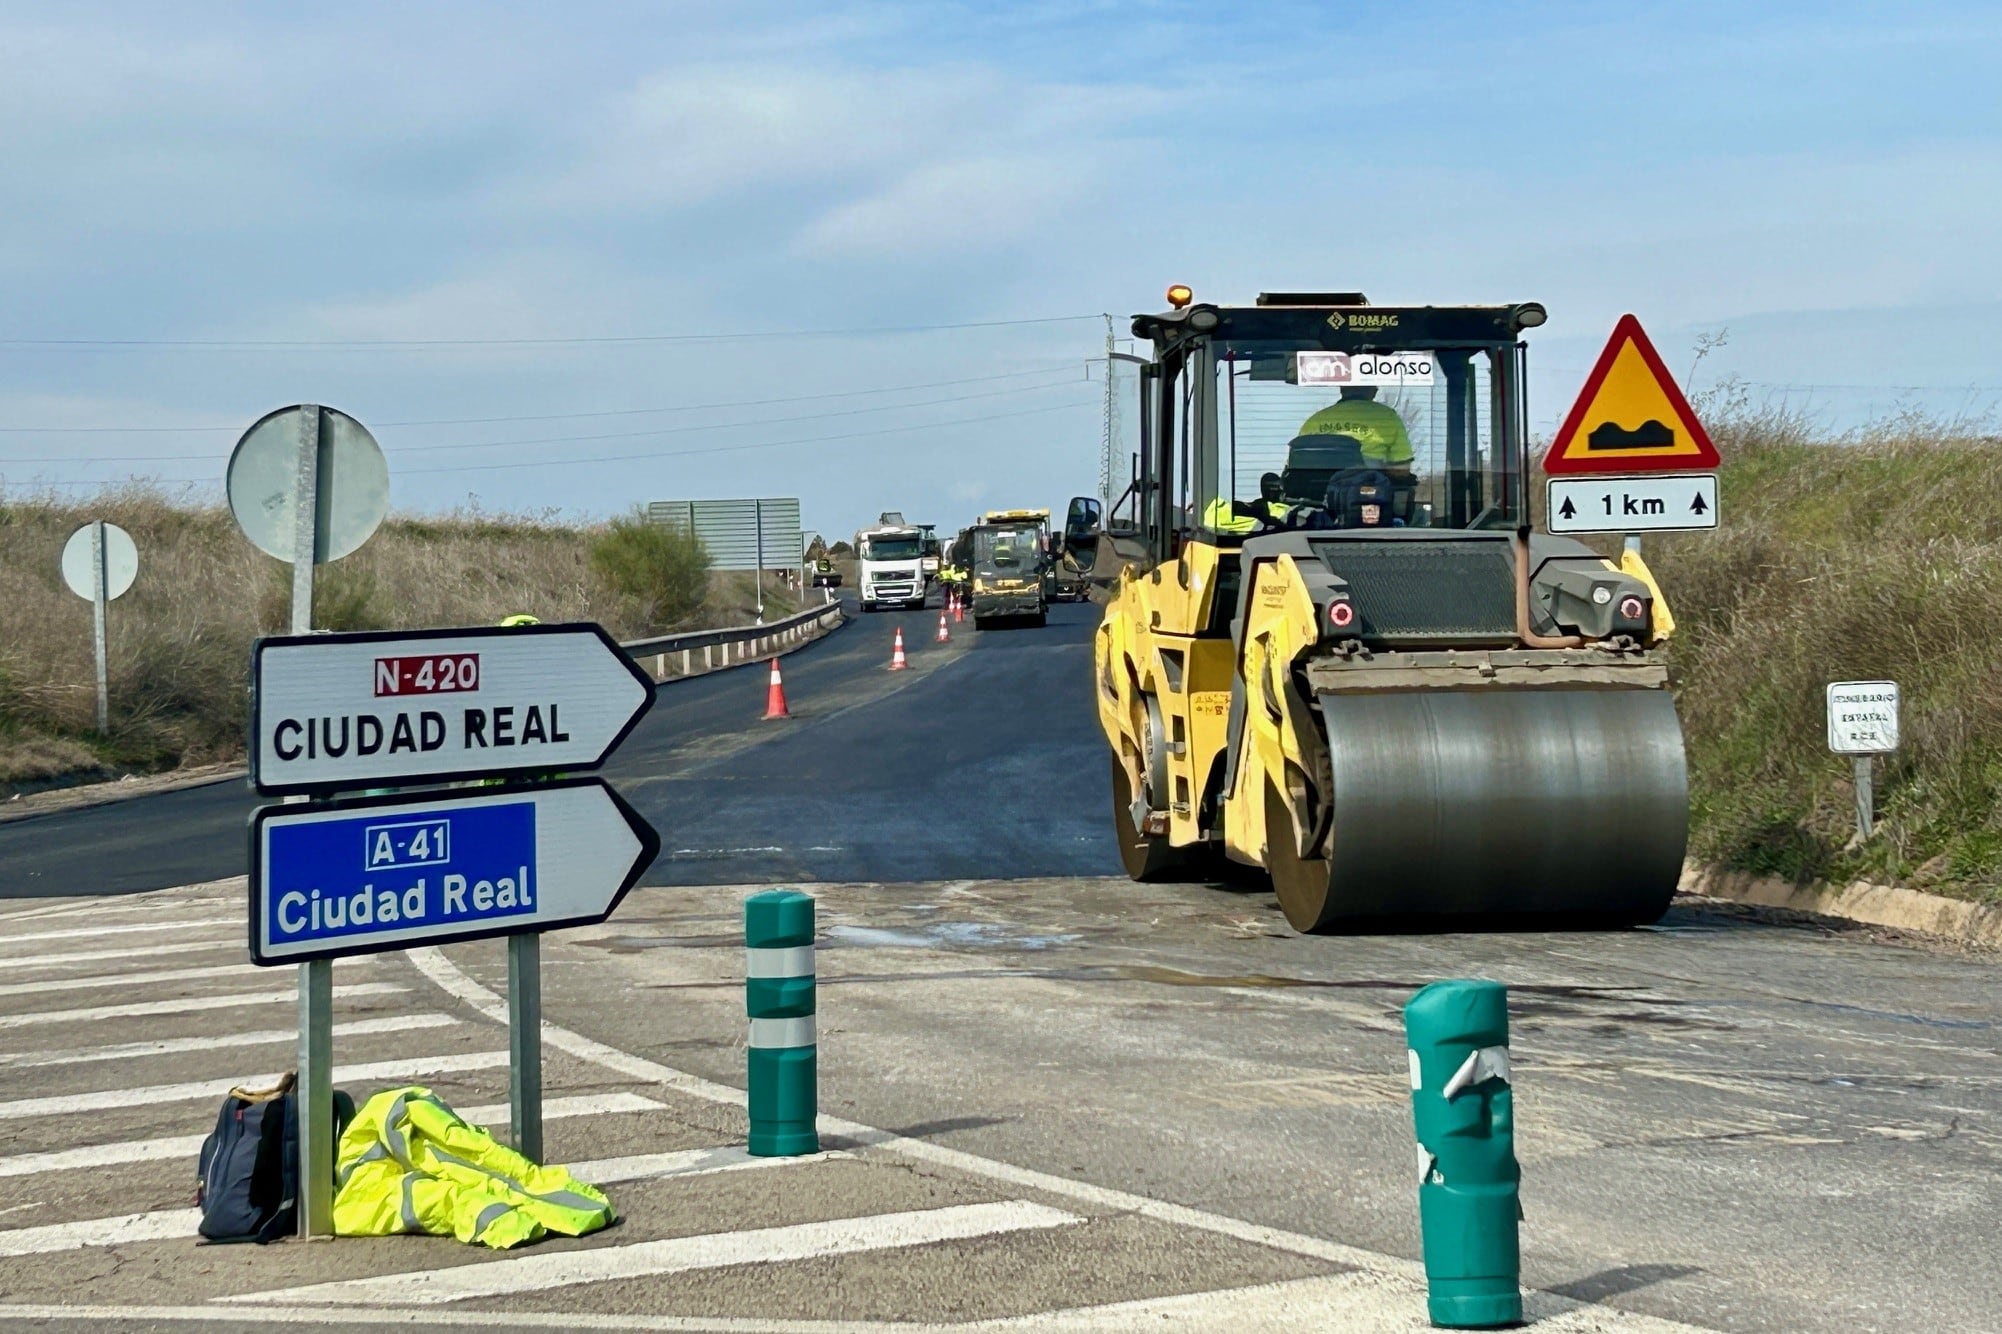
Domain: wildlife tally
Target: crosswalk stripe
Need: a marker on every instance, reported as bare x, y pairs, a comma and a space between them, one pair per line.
132, 979
188, 1146
120, 929
175, 1224
187, 1005
676, 1255
106, 1099
124, 1051
105, 956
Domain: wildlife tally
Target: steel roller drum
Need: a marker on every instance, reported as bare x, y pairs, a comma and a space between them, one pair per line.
1505, 803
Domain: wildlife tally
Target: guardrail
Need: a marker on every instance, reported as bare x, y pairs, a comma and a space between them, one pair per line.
693, 652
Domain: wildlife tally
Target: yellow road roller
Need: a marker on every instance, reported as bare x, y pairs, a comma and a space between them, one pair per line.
1339, 651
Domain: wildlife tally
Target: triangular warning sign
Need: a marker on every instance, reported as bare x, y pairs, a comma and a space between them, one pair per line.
1630, 417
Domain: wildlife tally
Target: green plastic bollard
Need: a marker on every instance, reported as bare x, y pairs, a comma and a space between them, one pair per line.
778, 996
1468, 1179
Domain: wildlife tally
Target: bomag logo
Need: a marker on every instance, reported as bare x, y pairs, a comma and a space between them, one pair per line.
1362, 320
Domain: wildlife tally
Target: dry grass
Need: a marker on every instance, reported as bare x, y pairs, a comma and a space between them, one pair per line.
180, 640
1877, 556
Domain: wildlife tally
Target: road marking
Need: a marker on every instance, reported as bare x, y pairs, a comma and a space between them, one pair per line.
188, 1146
178, 1224
400, 1023
457, 984
105, 1099
122, 929
187, 1005
676, 1255
131, 979
153, 951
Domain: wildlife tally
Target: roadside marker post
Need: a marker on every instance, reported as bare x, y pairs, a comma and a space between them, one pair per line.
1468, 1179
782, 1055
99, 564
1862, 724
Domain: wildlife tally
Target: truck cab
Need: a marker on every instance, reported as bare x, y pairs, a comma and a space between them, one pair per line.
889, 565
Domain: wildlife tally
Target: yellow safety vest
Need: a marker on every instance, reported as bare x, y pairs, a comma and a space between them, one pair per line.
410, 1164
1375, 426
1221, 517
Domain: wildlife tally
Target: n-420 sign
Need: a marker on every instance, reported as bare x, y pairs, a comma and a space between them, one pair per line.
1631, 504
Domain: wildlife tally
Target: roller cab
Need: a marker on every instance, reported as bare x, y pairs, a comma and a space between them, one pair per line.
1339, 652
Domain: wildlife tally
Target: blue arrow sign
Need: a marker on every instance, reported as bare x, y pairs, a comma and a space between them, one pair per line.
357, 877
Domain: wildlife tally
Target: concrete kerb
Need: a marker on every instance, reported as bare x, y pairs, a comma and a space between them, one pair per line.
1956, 920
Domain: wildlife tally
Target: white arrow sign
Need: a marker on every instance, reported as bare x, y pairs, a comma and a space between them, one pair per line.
1631, 504
357, 877
361, 710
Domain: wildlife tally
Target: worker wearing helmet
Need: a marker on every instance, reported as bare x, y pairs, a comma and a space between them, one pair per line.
1386, 443
1272, 497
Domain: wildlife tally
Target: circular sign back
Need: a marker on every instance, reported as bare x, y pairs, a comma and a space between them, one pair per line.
121, 562
263, 482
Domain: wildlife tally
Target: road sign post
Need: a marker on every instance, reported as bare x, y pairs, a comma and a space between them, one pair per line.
1863, 723
99, 563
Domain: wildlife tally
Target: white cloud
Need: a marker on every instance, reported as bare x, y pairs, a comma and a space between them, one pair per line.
955, 206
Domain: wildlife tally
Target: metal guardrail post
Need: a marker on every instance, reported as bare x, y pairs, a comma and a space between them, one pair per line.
782, 1055
1468, 1178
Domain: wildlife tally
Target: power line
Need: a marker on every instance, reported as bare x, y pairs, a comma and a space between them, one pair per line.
624, 458
301, 344
578, 439
1044, 369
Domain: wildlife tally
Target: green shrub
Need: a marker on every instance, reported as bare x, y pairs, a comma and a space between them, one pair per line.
660, 573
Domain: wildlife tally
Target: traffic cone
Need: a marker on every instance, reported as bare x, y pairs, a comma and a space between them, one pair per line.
944, 636
897, 663
958, 607
775, 696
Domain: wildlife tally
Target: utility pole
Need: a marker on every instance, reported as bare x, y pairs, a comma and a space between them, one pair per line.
1108, 448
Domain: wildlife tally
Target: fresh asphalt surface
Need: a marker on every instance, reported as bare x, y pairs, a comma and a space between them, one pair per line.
993, 768
1723, 1122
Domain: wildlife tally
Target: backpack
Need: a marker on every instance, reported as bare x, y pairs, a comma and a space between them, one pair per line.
249, 1165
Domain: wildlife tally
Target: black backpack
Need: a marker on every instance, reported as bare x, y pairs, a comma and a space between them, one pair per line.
249, 1166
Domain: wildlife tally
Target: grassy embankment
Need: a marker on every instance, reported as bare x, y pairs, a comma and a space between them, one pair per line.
180, 640
1876, 557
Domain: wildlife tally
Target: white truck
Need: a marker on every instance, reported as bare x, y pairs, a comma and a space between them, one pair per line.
889, 564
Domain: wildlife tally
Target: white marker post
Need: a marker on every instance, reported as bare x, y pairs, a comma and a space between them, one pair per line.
309, 484
99, 564
1862, 722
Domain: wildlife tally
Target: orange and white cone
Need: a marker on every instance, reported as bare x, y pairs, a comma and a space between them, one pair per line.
775, 696
944, 635
897, 663
958, 607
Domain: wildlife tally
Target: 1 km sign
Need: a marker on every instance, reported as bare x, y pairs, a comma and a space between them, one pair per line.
367, 710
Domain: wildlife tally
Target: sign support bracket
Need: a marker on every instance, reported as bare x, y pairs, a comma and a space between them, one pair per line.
524, 1040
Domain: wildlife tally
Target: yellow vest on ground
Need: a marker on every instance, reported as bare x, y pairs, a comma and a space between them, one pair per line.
410, 1164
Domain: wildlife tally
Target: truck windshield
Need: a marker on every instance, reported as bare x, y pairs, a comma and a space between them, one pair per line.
1007, 548
891, 548
1427, 423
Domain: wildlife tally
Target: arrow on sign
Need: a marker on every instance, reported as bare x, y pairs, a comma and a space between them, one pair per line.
1697, 506
430, 706
359, 877
1569, 511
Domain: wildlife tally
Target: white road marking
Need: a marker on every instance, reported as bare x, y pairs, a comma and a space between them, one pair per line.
152, 951
178, 1224
106, 1099
125, 1051
676, 1255
121, 929
187, 1005
188, 1146
455, 982
115, 980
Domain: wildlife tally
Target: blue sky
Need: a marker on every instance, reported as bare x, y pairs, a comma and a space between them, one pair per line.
1823, 180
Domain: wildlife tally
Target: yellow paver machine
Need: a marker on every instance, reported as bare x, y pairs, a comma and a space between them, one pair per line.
1338, 651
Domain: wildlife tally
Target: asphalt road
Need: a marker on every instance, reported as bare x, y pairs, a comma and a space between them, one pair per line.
911, 775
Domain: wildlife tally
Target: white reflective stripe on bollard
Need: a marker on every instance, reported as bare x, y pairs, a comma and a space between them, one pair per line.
783, 1032
778, 961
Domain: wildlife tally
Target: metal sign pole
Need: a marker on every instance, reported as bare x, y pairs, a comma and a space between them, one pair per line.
315, 1089
758, 516
99, 595
1866, 798
524, 1035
